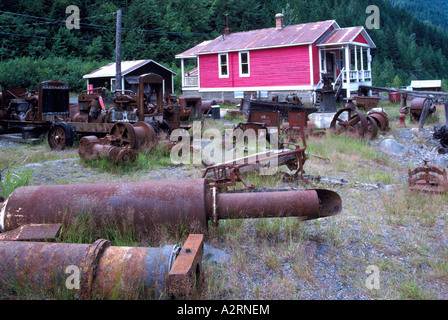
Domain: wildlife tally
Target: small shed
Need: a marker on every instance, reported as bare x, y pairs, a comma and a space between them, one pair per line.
426, 85
130, 72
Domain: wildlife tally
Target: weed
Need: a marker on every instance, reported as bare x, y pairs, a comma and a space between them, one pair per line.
412, 289
13, 178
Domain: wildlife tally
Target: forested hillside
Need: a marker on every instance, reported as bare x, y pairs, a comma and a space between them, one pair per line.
435, 11
35, 44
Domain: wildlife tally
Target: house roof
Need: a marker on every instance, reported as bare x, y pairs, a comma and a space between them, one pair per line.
426, 83
346, 35
298, 34
126, 67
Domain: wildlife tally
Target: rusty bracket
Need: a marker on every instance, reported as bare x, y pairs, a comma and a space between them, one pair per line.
33, 232
185, 276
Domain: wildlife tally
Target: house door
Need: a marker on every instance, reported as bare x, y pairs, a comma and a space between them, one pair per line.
331, 60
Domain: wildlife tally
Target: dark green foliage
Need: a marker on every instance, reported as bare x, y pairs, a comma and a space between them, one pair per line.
35, 49
27, 72
434, 12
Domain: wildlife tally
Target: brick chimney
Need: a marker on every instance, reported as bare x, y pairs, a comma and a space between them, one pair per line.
227, 30
279, 21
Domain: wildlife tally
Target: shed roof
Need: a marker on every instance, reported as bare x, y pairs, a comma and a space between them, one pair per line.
298, 34
426, 83
109, 70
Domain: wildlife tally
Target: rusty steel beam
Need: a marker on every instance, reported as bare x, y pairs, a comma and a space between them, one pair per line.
106, 271
146, 206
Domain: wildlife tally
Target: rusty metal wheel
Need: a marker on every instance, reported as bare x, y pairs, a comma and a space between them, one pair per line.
61, 135
146, 136
381, 119
372, 128
349, 121
124, 134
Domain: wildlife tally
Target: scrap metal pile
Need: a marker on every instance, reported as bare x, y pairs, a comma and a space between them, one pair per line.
149, 208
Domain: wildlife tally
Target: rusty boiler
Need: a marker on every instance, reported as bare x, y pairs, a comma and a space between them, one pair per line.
148, 206
104, 271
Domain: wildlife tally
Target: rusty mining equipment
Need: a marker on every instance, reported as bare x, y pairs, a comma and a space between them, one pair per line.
104, 271
428, 178
422, 105
122, 143
33, 113
48, 110
351, 121
148, 205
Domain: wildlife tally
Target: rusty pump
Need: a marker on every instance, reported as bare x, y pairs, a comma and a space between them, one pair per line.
148, 205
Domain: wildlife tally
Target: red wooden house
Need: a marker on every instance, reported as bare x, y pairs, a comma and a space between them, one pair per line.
278, 61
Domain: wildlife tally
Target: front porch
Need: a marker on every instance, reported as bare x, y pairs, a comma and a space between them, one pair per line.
190, 79
348, 65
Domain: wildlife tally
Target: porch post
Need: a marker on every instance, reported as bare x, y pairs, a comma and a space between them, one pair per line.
369, 60
182, 70
356, 63
347, 69
362, 67
320, 63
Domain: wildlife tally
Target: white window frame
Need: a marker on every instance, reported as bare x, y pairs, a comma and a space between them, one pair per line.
241, 65
220, 65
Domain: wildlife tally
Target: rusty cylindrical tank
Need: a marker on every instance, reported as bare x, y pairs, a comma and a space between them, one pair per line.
146, 205
105, 271
417, 107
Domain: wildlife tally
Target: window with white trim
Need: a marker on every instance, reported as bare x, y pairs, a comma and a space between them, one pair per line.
223, 65
244, 64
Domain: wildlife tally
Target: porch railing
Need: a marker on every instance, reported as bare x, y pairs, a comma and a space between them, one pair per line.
191, 81
356, 75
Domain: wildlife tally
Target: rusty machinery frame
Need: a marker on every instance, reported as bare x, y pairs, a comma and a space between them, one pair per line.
228, 174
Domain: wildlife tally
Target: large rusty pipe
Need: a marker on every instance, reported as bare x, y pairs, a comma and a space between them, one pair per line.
311, 204
148, 204
105, 271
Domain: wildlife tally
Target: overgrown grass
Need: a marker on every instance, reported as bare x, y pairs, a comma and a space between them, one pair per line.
349, 158
426, 206
12, 178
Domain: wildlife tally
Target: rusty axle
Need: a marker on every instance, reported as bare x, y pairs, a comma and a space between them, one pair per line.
106, 271
147, 205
